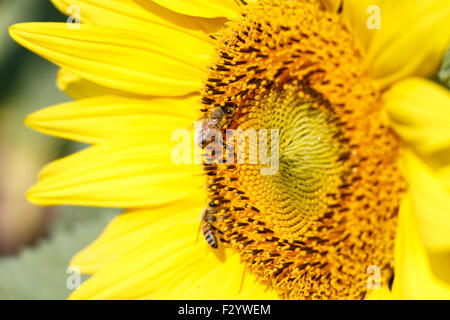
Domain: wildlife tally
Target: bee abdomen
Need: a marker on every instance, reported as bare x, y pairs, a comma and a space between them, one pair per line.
210, 237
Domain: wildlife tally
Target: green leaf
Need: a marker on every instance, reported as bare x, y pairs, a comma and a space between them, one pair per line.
41, 271
444, 73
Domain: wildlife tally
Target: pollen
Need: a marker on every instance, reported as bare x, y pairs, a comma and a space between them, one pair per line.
312, 229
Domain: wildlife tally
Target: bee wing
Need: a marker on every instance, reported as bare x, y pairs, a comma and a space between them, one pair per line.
202, 217
198, 231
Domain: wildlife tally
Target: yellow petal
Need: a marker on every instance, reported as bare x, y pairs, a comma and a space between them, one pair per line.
207, 25
132, 229
405, 49
431, 201
400, 48
78, 88
120, 59
109, 117
168, 264
134, 15
419, 112
414, 278
118, 174
440, 264
332, 5
355, 14
203, 8
382, 293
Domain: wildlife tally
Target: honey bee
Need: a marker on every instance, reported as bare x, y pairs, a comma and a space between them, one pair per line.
208, 231
218, 118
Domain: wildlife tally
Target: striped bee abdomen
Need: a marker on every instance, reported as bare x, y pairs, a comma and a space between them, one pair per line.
209, 235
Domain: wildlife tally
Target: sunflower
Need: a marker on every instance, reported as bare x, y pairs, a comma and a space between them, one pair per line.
360, 204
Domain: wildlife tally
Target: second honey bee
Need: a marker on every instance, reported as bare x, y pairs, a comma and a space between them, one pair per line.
208, 217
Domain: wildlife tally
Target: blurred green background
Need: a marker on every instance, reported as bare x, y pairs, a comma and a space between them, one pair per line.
36, 243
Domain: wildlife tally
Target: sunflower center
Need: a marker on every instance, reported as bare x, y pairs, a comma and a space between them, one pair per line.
311, 229
310, 154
